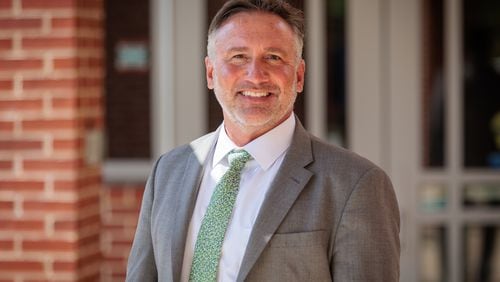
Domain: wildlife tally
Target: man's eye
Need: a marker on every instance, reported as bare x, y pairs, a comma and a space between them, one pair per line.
274, 57
239, 57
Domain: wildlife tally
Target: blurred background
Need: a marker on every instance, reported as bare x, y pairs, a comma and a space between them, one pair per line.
93, 91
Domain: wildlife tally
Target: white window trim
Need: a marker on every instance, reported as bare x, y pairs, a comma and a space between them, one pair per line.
316, 67
177, 82
125, 171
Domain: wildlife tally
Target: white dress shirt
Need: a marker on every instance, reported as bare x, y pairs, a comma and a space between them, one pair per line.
267, 153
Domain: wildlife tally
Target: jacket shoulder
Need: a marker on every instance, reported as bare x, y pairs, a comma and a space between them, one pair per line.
197, 146
336, 157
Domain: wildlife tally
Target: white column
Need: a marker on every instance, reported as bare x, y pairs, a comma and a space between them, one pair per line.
365, 128
190, 83
316, 58
178, 80
404, 107
454, 136
162, 76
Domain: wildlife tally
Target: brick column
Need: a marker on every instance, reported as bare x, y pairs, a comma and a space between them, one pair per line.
51, 81
120, 211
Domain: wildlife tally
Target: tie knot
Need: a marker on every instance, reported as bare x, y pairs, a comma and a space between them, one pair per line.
238, 157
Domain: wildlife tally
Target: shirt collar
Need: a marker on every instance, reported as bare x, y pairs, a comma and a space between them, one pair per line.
265, 149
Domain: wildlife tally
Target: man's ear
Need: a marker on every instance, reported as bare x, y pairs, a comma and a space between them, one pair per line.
301, 69
209, 68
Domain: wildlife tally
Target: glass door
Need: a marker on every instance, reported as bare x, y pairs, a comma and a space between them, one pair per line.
458, 213
424, 104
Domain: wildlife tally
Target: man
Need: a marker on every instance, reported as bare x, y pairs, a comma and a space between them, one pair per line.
304, 210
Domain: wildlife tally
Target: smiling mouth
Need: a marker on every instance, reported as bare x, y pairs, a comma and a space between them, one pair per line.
255, 94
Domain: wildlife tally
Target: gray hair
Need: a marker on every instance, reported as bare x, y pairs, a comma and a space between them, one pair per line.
293, 16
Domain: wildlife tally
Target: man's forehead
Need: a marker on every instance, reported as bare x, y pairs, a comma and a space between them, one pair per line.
250, 44
237, 49
245, 18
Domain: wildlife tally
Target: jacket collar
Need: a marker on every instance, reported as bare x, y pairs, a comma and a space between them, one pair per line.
186, 197
290, 180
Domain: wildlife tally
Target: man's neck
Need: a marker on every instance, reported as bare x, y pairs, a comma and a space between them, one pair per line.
242, 135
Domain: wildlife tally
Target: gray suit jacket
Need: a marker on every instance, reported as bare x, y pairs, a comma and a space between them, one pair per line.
329, 215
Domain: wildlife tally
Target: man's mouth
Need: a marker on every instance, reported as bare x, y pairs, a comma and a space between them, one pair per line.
256, 94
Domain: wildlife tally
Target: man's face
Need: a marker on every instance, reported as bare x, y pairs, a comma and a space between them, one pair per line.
255, 71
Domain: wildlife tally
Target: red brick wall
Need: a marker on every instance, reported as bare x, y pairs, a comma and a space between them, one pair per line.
120, 211
51, 75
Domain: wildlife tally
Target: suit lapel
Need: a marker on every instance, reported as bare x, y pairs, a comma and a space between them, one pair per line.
186, 198
286, 187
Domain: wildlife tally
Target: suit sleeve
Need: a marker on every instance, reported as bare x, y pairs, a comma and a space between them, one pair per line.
141, 262
366, 244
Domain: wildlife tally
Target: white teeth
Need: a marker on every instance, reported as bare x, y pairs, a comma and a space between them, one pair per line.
254, 94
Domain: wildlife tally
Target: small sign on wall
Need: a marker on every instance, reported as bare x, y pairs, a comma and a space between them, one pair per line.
132, 56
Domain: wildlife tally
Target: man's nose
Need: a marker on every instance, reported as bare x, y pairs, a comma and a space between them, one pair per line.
257, 71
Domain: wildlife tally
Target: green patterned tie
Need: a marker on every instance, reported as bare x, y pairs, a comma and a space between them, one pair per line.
208, 246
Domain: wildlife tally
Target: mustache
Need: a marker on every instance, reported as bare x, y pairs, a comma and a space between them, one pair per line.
264, 87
